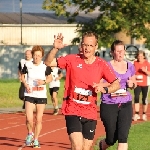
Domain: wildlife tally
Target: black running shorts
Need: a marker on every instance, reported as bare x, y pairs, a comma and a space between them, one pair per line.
54, 89
36, 100
80, 124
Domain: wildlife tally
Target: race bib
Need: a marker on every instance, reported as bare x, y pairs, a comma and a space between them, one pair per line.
83, 96
139, 78
120, 92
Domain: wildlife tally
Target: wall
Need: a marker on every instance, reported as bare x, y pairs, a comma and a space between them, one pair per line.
10, 56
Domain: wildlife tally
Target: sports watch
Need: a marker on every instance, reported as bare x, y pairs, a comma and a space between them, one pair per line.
106, 89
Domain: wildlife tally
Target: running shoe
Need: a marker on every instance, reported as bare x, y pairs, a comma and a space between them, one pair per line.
36, 144
29, 139
144, 117
136, 117
56, 111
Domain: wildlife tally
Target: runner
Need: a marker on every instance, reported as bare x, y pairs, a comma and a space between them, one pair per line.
116, 108
38, 74
28, 58
142, 67
54, 88
85, 72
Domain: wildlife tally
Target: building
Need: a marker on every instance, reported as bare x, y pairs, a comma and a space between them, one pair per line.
19, 33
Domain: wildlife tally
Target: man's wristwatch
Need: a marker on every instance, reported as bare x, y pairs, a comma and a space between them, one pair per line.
106, 89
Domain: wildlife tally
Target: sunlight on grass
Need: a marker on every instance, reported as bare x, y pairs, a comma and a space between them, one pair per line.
138, 137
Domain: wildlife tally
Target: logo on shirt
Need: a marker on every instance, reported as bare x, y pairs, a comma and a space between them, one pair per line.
79, 66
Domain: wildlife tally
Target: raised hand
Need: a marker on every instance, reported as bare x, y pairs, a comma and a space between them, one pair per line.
58, 41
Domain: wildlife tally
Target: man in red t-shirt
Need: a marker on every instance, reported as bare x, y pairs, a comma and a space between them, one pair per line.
85, 72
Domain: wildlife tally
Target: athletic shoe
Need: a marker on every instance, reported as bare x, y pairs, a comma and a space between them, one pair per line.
56, 111
144, 117
29, 139
136, 117
36, 144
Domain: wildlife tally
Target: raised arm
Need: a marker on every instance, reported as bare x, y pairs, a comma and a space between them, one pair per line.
50, 59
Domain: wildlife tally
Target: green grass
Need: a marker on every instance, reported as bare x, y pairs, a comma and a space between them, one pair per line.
9, 93
138, 137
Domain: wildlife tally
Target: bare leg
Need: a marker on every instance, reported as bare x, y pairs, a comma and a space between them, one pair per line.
122, 146
29, 107
76, 140
39, 114
55, 100
87, 144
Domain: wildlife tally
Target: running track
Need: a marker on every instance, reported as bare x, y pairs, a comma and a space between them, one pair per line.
53, 135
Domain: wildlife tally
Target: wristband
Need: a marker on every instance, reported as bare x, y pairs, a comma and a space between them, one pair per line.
106, 89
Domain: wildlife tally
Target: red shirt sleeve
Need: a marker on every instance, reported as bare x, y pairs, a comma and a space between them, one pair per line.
62, 61
108, 73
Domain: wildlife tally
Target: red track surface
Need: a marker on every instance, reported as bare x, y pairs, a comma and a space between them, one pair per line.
53, 135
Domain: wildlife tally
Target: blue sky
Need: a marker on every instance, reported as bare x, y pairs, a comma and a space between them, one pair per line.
27, 6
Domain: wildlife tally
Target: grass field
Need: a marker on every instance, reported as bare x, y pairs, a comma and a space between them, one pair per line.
138, 138
9, 93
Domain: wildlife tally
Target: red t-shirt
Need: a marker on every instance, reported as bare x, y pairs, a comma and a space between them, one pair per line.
80, 80
141, 77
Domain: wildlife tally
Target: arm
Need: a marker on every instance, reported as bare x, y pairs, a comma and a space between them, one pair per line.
112, 83
48, 76
132, 82
113, 87
146, 70
19, 71
60, 75
50, 59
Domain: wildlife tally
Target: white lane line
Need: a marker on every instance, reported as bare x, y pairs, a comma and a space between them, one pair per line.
25, 124
12, 118
20, 148
52, 131
24, 145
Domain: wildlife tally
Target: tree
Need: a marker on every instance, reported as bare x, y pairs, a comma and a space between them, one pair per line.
129, 16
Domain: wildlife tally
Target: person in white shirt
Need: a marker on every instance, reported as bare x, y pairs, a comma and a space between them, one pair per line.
54, 88
28, 58
38, 74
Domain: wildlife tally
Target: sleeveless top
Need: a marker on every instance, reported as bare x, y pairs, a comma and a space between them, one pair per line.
108, 99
